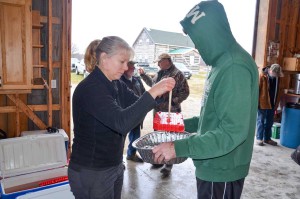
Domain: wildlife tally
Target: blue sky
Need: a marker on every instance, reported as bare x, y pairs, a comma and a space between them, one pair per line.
94, 19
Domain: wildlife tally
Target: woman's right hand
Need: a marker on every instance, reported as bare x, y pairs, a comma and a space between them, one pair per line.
161, 87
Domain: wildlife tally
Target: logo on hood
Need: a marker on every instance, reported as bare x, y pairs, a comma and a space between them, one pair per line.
196, 13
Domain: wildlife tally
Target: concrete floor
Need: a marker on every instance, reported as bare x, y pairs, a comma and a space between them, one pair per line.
273, 174
141, 181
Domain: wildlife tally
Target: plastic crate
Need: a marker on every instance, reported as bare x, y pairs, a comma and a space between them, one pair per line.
170, 123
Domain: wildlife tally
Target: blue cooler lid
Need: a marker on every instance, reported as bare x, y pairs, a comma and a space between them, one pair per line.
28, 154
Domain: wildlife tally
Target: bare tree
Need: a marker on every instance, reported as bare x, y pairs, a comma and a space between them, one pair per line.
74, 49
75, 52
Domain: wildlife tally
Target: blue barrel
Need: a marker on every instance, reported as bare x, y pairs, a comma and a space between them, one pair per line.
290, 126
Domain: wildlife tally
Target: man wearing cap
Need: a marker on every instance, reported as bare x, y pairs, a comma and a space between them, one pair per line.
180, 92
269, 96
136, 85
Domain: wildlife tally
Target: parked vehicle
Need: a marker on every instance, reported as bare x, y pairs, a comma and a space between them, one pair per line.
150, 70
80, 67
143, 64
74, 61
187, 72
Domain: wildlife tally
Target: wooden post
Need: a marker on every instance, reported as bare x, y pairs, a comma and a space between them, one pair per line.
65, 68
50, 69
17, 116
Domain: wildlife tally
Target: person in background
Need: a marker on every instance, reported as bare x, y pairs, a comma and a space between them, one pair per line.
104, 111
222, 147
269, 97
180, 93
136, 85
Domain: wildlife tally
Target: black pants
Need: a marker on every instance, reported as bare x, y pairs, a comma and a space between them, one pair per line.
91, 184
220, 190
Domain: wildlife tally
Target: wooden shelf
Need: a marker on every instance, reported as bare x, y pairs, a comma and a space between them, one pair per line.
13, 91
37, 46
37, 26
55, 64
35, 87
55, 20
39, 66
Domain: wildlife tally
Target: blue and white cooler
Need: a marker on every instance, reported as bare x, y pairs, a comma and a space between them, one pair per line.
29, 163
58, 192
45, 132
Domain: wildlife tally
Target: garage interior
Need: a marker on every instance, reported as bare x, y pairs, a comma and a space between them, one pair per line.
35, 85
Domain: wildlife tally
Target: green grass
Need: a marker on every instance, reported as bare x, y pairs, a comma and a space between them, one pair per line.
75, 79
196, 83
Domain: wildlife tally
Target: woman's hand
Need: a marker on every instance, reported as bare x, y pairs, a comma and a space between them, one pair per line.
163, 86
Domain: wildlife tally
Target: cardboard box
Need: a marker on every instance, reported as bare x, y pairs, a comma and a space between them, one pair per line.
276, 130
291, 64
27, 161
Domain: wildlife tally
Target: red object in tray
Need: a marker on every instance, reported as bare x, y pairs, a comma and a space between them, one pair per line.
163, 122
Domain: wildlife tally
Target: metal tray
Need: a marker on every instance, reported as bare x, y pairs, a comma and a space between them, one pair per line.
145, 144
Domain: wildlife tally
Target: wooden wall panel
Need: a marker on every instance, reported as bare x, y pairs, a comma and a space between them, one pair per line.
16, 60
273, 15
66, 70
278, 22
51, 53
261, 37
3, 117
292, 24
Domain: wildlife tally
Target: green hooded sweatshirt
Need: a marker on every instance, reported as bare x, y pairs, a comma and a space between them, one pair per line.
222, 148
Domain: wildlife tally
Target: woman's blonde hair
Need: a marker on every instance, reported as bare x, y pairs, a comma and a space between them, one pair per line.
90, 59
110, 45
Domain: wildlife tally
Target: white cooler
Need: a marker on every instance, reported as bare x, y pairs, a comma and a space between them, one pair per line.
27, 161
42, 132
59, 192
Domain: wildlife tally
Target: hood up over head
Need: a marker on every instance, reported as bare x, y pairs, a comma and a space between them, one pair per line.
208, 27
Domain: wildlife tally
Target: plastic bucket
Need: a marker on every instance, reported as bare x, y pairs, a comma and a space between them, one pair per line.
290, 126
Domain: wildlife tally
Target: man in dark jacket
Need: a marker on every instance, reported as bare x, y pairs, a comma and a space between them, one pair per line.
136, 85
180, 92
